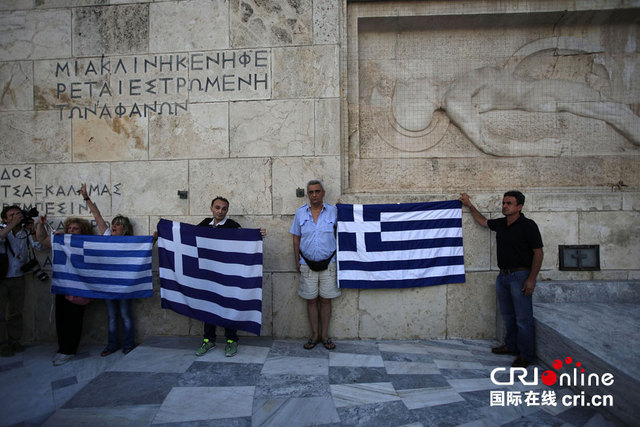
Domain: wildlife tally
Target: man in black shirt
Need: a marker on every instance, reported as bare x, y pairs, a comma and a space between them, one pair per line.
219, 209
519, 251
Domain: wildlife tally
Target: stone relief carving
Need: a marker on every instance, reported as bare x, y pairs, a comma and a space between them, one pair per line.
417, 112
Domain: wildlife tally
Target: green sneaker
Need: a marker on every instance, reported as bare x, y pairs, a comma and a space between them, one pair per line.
206, 346
231, 349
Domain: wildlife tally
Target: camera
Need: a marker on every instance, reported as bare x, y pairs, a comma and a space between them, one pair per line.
28, 215
33, 266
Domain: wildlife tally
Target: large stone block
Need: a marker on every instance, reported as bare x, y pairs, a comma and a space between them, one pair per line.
327, 128
292, 173
471, 307
203, 133
16, 4
35, 34
477, 245
271, 128
16, 79
256, 23
246, 183
35, 136
140, 193
345, 316
151, 319
303, 72
60, 184
414, 313
326, 21
575, 201
188, 25
557, 228
484, 173
117, 139
107, 30
289, 310
277, 246
617, 233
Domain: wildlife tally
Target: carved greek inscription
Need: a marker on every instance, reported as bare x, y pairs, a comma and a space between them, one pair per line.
18, 187
137, 86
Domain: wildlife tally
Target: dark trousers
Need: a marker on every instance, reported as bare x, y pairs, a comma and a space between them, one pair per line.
68, 325
11, 304
210, 333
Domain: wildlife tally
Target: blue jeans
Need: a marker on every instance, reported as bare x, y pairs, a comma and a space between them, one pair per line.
517, 313
120, 308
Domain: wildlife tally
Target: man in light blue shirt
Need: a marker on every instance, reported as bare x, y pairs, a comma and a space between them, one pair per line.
314, 247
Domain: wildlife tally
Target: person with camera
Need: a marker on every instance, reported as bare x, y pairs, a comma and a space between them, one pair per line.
15, 238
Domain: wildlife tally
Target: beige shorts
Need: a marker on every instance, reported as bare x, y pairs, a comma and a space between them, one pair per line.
323, 282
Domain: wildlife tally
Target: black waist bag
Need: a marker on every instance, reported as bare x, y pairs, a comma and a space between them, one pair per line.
317, 265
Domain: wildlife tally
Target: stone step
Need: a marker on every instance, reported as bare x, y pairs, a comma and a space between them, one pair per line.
596, 324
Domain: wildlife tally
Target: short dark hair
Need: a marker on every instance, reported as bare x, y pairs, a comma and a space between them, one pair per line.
315, 182
6, 210
126, 224
219, 198
518, 195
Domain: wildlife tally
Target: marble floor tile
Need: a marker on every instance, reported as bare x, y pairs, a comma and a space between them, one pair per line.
456, 364
246, 354
164, 360
360, 360
184, 404
420, 348
124, 416
288, 386
212, 374
356, 347
421, 398
298, 411
452, 414
360, 394
472, 384
350, 375
393, 413
458, 374
293, 348
408, 368
407, 357
123, 388
295, 365
408, 382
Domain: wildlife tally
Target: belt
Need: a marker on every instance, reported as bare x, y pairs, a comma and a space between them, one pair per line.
512, 270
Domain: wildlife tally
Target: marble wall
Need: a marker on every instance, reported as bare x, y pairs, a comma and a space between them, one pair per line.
251, 99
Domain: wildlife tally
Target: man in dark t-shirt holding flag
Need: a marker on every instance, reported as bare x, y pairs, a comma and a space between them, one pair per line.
519, 252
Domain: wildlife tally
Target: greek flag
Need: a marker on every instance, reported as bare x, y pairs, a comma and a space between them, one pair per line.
212, 274
400, 246
107, 267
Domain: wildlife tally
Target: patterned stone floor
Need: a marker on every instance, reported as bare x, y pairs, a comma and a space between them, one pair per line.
278, 383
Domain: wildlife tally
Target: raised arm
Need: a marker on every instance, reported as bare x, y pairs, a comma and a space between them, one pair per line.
480, 219
42, 235
100, 222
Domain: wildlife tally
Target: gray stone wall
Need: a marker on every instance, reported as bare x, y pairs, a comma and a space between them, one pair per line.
250, 100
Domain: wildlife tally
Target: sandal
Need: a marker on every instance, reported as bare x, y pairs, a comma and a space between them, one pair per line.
328, 344
310, 344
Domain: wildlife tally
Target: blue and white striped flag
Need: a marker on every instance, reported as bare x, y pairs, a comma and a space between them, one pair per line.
107, 267
212, 274
400, 245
